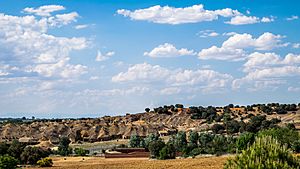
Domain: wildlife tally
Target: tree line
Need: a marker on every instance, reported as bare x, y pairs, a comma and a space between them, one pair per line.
210, 143
18, 153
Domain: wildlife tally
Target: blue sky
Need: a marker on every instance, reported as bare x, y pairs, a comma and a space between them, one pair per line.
94, 58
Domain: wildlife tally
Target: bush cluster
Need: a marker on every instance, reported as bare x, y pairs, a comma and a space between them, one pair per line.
81, 152
22, 153
19, 153
210, 113
45, 162
255, 124
210, 143
8, 162
266, 152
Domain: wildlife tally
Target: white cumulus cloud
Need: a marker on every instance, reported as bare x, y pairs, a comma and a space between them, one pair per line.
172, 15
207, 80
222, 53
26, 44
45, 10
207, 33
168, 50
268, 19
102, 57
66, 18
266, 41
143, 72
243, 20
80, 26
293, 17
233, 48
258, 60
296, 45
268, 69
246, 20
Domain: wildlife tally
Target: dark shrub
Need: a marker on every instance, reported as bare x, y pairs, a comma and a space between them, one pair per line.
63, 147
155, 147
31, 155
45, 162
245, 140
3, 148
81, 151
8, 162
217, 127
167, 152
15, 149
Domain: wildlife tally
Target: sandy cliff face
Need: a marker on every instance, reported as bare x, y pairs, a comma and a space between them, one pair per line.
100, 129
107, 128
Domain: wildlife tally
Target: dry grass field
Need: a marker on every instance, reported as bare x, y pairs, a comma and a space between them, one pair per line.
137, 163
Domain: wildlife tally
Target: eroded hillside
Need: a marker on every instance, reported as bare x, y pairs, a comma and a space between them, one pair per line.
164, 121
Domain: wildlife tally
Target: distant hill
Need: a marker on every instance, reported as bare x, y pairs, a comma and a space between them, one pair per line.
164, 120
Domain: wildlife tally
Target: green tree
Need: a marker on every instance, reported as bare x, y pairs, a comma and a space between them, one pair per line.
151, 137
3, 148
155, 147
81, 151
232, 126
180, 140
226, 118
135, 141
265, 153
231, 144
296, 146
255, 123
193, 138
15, 149
245, 140
179, 106
63, 147
8, 162
167, 152
291, 126
205, 139
142, 143
31, 155
284, 135
219, 144
217, 128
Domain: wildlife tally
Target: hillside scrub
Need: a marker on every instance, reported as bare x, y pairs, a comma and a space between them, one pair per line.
265, 153
45, 162
31, 155
284, 135
8, 162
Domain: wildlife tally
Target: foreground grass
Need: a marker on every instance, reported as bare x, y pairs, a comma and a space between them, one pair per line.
137, 163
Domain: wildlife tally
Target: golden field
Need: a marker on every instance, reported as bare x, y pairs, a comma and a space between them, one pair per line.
136, 163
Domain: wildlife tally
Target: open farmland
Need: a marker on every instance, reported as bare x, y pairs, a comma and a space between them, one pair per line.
136, 163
